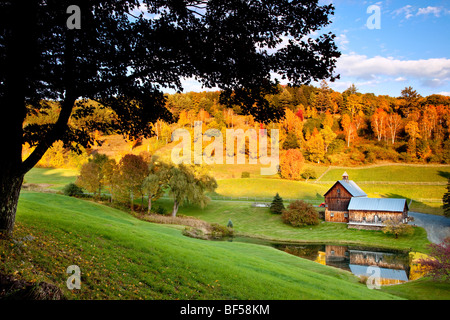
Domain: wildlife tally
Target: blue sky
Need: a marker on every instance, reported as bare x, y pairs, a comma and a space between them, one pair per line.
411, 47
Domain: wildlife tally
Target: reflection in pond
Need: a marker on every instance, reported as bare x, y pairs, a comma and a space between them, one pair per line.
395, 266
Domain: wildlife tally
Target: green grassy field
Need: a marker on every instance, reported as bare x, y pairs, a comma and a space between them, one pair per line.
267, 188
404, 173
121, 257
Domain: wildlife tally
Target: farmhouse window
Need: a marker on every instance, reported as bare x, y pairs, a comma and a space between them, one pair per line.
346, 215
331, 214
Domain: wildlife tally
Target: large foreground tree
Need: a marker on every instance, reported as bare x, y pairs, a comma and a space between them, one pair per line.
124, 53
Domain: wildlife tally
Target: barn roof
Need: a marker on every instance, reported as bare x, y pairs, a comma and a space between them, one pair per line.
377, 204
352, 188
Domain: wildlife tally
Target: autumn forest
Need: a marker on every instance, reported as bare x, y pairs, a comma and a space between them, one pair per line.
319, 125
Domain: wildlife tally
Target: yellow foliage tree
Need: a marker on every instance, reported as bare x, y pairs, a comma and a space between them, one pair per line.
291, 164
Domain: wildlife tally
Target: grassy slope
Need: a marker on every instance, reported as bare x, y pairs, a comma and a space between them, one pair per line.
122, 257
54, 179
421, 289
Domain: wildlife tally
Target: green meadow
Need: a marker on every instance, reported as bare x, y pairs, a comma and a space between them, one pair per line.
121, 257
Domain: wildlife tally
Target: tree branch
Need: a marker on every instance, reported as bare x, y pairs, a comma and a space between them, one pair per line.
66, 109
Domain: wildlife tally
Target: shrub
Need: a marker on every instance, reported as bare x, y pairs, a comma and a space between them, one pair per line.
72, 190
159, 210
245, 174
300, 213
218, 231
438, 262
397, 228
277, 205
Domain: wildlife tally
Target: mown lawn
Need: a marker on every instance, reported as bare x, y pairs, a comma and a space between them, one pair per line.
121, 257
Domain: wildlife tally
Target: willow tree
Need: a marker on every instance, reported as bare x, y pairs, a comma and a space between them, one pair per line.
123, 54
156, 181
188, 185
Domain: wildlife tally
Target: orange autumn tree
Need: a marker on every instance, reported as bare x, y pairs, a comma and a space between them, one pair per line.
291, 164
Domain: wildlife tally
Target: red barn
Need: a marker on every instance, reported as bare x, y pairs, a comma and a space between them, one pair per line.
346, 202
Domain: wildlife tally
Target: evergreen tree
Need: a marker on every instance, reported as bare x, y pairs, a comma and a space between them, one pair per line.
446, 200
277, 205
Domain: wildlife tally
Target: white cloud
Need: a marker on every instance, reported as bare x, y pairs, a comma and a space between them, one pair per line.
342, 41
431, 72
430, 10
407, 11
444, 93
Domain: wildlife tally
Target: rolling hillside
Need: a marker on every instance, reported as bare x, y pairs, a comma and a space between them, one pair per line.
121, 257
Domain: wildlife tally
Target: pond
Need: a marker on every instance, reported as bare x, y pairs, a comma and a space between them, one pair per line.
394, 266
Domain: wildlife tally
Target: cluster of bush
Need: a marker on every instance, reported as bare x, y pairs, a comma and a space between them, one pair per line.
298, 214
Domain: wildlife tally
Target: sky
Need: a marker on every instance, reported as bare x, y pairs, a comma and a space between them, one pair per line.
406, 44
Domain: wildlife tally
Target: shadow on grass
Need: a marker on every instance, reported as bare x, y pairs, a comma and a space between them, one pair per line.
444, 174
418, 206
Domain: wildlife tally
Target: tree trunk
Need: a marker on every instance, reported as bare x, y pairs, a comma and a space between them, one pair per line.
149, 204
20, 44
175, 208
132, 202
9, 196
